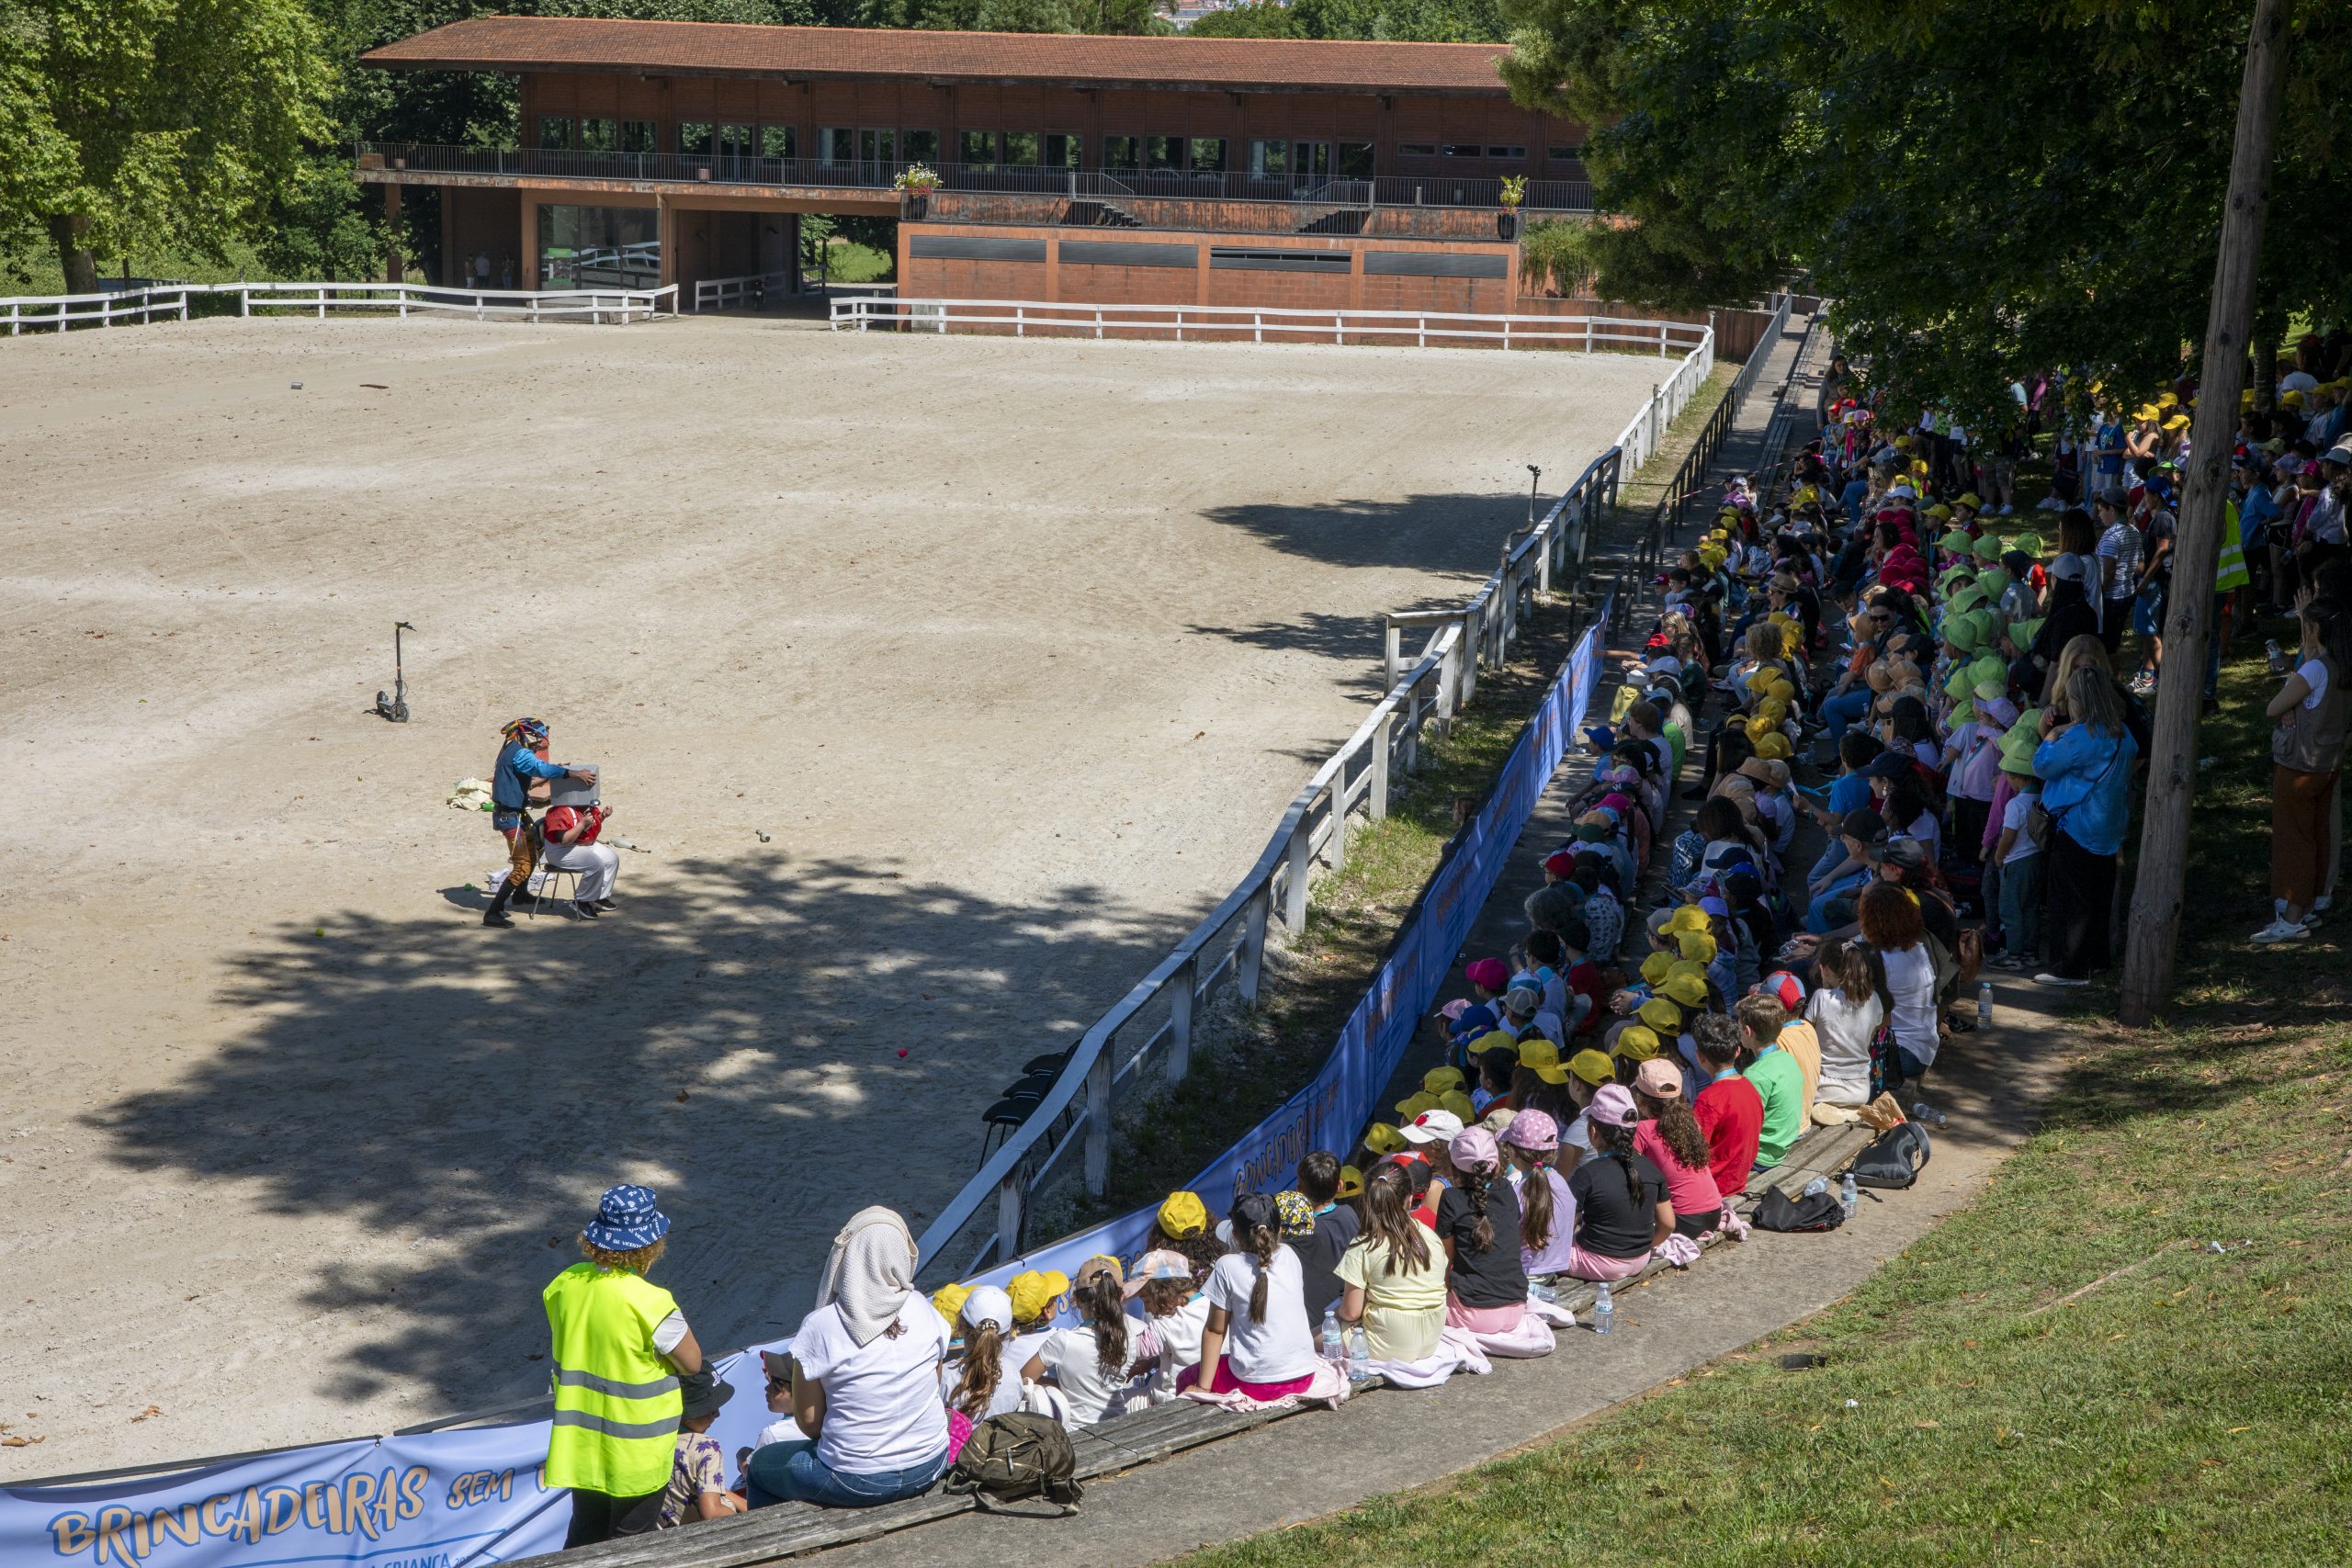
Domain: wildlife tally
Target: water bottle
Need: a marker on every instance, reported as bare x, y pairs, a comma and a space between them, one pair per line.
1849, 1198
1816, 1187
1923, 1112
1542, 1292
1604, 1309
1359, 1354
1984, 1004
1332, 1350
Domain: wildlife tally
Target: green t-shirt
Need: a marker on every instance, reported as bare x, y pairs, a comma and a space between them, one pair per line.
1680, 742
1779, 1083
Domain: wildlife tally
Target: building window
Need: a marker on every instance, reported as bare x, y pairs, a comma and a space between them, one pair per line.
976, 147
921, 147
1021, 149
1269, 158
1355, 160
735, 141
1461, 150
1565, 154
1417, 149
599, 247
1207, 154
598, 135
1508, 154
1163, 153
555, 132
836, 144
693, 138
1120, 153
640, 136
1063, 150
777, 142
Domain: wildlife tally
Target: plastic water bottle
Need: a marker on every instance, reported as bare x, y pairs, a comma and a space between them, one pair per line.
1849, 1198
1604, 1309
1984, 1004
1542, 1292
1332, 1350
1816, 1187
1923, 1112
1359, 1354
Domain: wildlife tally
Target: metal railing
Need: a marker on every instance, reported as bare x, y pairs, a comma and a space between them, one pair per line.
1666, 521
879, 176
58, 312
1155, 1022
1234, 324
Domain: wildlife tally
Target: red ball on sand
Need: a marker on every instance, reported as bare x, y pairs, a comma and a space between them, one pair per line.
902, 1050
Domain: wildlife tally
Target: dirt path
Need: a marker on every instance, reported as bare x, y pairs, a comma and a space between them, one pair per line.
1012, 649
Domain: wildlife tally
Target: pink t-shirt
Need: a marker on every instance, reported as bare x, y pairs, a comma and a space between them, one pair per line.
1690, 1191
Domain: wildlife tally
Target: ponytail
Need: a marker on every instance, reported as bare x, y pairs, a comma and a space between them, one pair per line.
1534, 1206
1102, 1304
1260, 1244
983, 1368
1473, 1185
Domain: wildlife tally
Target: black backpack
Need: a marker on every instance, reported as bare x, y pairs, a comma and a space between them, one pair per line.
1779, 1211
1008, 1458
1895, 1159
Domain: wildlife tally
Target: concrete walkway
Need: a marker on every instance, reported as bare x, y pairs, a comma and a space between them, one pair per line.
1989, 1083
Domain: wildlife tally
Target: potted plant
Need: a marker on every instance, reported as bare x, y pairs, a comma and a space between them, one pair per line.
1514, 192
914, 184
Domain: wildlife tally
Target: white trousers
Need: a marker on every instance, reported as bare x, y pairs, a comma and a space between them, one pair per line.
596, 864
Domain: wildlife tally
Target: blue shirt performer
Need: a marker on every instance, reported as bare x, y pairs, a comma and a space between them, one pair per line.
518, 763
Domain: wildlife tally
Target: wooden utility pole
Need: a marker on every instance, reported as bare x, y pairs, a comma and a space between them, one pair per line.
2154, 930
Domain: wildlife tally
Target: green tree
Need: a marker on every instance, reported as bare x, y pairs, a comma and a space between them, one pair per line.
1412, 21
150, 124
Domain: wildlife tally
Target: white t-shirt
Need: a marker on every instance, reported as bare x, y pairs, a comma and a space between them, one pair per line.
2014, 815
1929, 831
2299, 381
1845, 1030
882, 1399
1283, 1346
1911, 981
2120, 544
1180, 1345
1071, 1355
1016, 1353
1578, 1132
2314, 674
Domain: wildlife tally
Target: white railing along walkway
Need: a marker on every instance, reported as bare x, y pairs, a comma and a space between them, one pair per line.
57, 312
1227, 322
751, 288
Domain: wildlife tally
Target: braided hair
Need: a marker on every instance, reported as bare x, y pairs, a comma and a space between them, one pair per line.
1472, 1184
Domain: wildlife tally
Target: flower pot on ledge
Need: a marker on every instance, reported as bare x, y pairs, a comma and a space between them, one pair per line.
1506, 223
917, 204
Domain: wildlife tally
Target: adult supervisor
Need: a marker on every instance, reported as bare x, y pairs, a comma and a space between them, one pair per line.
518, 763
617, 1344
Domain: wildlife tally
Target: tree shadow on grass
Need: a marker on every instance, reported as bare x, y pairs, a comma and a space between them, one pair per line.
435, 1106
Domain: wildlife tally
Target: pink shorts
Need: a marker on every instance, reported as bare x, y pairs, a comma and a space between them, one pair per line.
1225, 1383
1584, 1265
1483, 1320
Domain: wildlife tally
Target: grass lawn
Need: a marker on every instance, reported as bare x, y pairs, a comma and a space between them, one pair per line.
2186, 1406
849, 262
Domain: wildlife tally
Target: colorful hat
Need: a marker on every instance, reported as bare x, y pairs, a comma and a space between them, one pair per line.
1688, 990
1183, 1214
1382, 1139
626, 1219
1593, 1067
1296, 1214
1635, 1044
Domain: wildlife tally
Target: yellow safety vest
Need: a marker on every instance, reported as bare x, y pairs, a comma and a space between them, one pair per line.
2230, 570
617, 1401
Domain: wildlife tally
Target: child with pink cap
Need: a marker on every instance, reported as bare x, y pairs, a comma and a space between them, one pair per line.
1623, 1211
1477, 1219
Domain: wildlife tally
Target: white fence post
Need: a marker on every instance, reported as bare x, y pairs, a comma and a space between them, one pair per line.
1009, 1197
1251, 961
1300, 855
1180, 1022
1098, 1121
1382, 736
1392, 654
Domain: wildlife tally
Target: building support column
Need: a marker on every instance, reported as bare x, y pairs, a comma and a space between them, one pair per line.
527, 242
395, 270
666, 226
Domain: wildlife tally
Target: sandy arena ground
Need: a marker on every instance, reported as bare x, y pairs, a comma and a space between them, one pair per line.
947, 680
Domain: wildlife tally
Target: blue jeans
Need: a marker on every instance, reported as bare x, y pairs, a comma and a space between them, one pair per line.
2022, 909
1846, 889
791, 1472
1843, 709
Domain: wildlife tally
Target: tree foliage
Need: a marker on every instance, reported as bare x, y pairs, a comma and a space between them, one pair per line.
1978, 187
151, 124
1420, 21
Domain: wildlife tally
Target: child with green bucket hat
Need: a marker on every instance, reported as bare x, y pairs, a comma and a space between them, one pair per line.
2015, 860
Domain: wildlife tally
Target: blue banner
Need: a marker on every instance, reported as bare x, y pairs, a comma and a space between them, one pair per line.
474, 1494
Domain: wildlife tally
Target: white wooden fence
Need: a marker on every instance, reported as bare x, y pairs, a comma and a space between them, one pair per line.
59, 312
1151, 1028
1258, 323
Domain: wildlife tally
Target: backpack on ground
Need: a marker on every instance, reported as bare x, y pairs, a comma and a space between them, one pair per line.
1008, 1458
1894, 1158
1779, 1211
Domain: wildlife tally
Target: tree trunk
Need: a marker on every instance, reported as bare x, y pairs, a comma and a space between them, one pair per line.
81, 268
2154, 931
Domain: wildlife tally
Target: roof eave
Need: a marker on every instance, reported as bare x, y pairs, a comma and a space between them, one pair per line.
605, 68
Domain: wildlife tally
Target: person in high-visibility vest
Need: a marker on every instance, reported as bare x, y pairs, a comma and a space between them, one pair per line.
618, 1345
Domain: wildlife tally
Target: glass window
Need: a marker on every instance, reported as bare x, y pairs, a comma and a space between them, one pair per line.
694, 137
1269, 157
1208, 154
640, 136
598, 135
1508, 154
1021, 149
1355, 160
1163, 153
1063, 150
1310, 161
1568, 152
599, 247
1120, 152
776, 142
735, 141
922, 147
976, 147
1417, 149
555, 131
1462, 149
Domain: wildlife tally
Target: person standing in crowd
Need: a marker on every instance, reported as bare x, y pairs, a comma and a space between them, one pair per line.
866, 1382
2084, 764
2117, 566
2306, 758
618, 1345
518, 763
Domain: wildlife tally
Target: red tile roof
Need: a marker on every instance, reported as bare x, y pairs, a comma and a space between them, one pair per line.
711, 48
